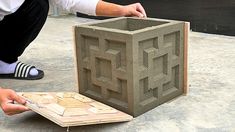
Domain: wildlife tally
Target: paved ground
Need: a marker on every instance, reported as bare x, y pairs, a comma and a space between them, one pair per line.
209, 106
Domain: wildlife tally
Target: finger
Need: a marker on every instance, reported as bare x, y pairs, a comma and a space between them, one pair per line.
14, 108
13, 113
140, 8
17, 98
137, 14
20, 100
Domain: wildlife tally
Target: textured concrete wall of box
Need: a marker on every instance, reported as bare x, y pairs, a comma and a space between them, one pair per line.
132, 64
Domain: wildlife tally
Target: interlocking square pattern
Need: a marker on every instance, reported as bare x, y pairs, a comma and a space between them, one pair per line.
131, 64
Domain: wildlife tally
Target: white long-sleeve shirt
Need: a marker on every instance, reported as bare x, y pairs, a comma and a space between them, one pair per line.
82, 6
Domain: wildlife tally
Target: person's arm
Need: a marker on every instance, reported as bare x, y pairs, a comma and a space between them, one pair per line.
100, 8
109, 9
7, 99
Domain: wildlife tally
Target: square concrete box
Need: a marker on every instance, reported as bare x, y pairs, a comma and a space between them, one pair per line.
132, 64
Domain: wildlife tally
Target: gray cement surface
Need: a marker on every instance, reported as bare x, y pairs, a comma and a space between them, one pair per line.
209, 106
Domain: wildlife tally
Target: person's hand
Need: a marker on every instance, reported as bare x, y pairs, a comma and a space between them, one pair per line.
114, 10
8, 98
134, 10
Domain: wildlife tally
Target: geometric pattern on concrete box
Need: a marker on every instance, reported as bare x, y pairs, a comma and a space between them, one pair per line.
159, 75
132, 64
108, 82
107, 70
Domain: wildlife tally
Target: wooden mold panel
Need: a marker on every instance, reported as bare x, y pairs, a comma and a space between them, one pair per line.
72, 109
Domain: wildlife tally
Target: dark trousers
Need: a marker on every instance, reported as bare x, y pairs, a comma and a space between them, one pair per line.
19, 29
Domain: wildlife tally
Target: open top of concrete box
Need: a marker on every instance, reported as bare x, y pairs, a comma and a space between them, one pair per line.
130, 24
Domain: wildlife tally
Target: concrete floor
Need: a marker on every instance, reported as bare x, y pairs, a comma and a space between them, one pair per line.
209, 106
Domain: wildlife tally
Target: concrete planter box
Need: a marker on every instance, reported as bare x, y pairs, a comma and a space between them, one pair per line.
132, 64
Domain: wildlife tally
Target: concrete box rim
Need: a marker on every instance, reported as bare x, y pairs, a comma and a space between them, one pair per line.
92, 25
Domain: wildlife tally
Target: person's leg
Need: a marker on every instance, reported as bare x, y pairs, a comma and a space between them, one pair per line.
19, 29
